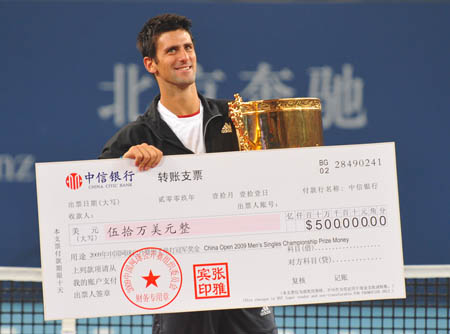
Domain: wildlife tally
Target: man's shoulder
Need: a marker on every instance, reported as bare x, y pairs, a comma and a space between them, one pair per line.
138, 125
219, 102
220, 105
133, 133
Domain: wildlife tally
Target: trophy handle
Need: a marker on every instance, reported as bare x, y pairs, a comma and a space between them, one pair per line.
236, 116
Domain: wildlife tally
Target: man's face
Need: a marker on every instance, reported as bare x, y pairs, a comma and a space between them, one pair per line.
175, 62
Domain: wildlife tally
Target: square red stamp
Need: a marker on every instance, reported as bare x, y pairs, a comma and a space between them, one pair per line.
211, 280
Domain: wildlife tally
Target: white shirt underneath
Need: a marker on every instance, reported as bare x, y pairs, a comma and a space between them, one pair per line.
188, 129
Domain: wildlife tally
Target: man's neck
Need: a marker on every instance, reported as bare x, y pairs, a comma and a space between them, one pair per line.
181, 101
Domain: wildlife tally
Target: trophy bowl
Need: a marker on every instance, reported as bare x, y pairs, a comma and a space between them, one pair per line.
277, 123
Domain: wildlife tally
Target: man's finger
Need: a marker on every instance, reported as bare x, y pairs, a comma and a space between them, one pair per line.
138, 156
134, 153
146, 156
151, 157
155, 157
158, 158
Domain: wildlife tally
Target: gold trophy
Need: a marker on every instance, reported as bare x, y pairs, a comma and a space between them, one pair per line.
278, 123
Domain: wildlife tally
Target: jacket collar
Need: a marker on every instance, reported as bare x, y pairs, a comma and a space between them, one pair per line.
160, 128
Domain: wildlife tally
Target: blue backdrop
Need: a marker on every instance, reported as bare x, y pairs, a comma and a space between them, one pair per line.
70, 76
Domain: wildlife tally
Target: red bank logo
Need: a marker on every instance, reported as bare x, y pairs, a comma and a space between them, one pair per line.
74, 181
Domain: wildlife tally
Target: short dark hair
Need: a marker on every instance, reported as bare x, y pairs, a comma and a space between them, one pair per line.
153, 28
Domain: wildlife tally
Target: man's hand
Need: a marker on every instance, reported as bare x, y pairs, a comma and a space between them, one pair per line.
145, 156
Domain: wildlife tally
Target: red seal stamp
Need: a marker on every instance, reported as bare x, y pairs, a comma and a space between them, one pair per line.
211, 280
151, 278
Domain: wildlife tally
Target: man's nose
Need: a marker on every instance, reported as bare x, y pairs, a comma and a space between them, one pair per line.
184, 56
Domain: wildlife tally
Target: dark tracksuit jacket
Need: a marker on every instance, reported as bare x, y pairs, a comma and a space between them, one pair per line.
151, 129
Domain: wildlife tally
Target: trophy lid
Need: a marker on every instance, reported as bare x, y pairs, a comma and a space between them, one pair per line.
284, 104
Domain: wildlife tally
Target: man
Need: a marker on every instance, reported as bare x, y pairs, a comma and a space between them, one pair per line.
181, 121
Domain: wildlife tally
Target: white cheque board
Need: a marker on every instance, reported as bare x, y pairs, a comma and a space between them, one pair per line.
220, 230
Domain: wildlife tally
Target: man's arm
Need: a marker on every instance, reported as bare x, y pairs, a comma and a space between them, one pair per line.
134, 142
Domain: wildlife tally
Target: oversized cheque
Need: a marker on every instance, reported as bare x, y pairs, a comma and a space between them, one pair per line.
222, 230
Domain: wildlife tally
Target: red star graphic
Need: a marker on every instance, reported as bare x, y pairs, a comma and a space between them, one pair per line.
151, 279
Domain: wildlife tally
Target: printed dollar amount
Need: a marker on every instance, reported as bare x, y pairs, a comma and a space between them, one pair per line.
346, 223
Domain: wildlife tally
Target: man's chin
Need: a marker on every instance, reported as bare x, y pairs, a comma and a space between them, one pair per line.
185, 82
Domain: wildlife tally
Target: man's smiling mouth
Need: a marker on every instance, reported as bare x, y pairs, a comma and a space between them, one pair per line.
184, 68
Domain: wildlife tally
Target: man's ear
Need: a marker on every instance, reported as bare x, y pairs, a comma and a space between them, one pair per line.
149, 64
